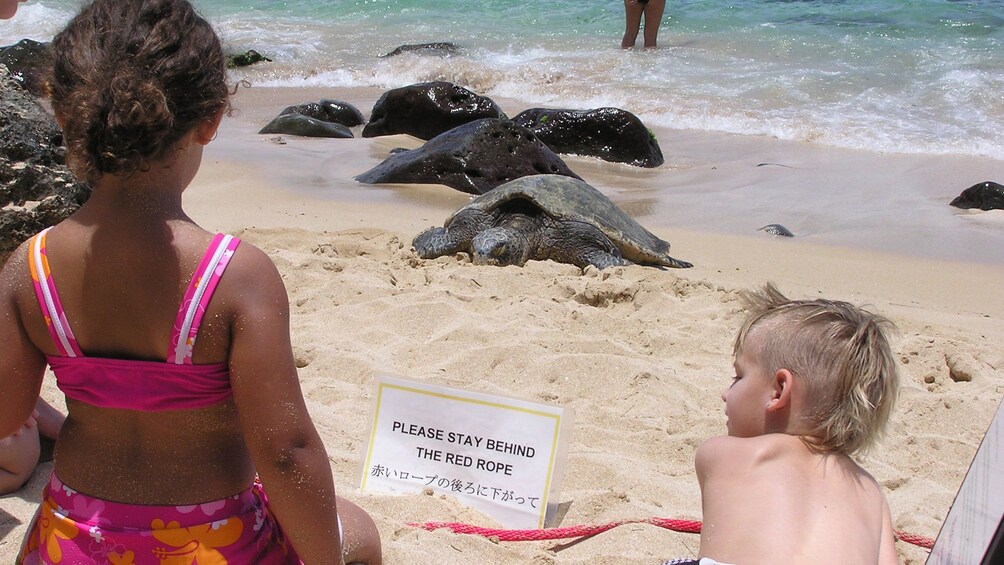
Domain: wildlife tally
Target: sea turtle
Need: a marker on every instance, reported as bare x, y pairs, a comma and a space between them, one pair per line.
545, 217
777, 229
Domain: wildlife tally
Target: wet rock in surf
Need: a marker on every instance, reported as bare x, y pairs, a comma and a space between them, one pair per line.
611, 134
246, 58
985, 196
427, 109
327, 110
473, 158
441, 49
305, 126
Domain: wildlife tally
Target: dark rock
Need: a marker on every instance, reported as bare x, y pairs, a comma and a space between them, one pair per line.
246, 58
326, 110
428, 109
611, 134
985, 196
441, 49
36, 188
777, 229
30, 63
298, 124
473, 158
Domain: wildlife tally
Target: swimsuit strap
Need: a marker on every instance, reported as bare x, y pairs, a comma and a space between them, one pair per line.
197, 297
48, 298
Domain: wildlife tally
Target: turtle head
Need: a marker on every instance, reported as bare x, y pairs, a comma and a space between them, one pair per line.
500, 246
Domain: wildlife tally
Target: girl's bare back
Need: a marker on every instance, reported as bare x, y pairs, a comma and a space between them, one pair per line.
121, 292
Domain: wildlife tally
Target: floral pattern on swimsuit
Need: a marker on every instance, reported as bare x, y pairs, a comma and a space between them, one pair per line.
74, 528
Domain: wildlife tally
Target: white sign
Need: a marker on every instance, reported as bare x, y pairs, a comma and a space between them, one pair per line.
500, 455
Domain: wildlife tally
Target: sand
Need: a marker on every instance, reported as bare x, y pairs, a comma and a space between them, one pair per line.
640, 354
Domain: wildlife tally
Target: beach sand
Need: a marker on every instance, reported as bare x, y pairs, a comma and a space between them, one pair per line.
640, 354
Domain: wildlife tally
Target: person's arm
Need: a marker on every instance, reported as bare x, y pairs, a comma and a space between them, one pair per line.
887, 547
727, 470
707, 464
22, 365
50, 421
18, 456
708, 454
286, 448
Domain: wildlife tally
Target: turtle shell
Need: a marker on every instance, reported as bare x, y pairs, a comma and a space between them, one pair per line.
567, 198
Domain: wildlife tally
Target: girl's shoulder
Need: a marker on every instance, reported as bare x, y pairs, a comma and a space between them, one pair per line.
252, 276
249, 260
15, 276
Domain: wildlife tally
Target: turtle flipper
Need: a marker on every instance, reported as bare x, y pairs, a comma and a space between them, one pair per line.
581, 244
436, 242
604, 259
455, 237
677, 264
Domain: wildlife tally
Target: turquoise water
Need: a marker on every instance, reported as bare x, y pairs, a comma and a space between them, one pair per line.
916, 76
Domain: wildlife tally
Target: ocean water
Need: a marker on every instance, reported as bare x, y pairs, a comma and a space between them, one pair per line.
911, 76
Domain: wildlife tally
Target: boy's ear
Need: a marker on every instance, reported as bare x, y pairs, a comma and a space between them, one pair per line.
781, 396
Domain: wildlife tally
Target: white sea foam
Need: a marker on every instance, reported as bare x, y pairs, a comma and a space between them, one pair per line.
34, 21
889, 77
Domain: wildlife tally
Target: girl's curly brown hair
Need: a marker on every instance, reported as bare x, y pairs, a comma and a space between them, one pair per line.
130, 79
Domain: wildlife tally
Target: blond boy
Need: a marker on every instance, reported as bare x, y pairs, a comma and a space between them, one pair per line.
814, 383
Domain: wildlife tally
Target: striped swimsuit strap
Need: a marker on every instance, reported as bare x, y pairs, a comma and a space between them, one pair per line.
197, 297
48, 298
193, 306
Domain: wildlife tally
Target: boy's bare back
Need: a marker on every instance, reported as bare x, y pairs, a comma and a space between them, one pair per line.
770, 499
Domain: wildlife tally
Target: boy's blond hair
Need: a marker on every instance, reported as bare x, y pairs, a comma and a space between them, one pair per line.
840, 354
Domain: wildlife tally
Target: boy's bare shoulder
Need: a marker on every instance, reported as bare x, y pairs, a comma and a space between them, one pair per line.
739, 452
759, 446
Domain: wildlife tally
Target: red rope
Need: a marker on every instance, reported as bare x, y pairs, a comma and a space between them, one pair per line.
686, 526
920, 541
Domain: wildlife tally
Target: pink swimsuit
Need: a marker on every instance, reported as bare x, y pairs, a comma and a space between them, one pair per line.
139, 385
71, 527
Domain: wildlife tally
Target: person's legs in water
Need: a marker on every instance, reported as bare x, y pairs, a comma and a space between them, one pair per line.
653, 19
633, 10
8, 8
